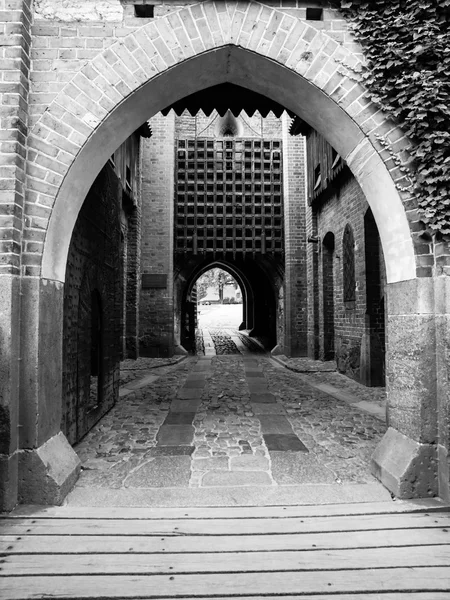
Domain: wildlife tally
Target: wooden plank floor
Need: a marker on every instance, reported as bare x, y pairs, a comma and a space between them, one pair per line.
369, 551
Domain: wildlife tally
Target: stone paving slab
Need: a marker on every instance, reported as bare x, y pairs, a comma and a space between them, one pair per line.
299, 468
170, 451
255, 381
275, 424
250, 462
179, 418
198, 376
211, 464
284, 443
161, 471
175, 435
258, 388
202, 367
189, 394
261, 397
235, 478
111, 476
185, 405
267, 408
253, 373
192, 383
273, 495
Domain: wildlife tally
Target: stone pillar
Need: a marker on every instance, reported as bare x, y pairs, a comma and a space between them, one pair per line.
411, 460
14, 87
9, 389
48, 465
295, 296
156, 313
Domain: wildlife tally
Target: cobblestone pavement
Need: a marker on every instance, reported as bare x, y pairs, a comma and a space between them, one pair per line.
232, 419
225, 341
133, 369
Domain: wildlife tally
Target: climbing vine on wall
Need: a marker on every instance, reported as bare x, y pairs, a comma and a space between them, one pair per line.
407, 47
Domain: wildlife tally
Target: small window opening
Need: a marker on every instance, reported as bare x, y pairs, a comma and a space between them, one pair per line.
336, 159
317, 178
349, 275
144, 11
314, 14
128, 178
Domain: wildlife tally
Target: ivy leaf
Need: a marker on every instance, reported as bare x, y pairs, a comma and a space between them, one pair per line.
406, 44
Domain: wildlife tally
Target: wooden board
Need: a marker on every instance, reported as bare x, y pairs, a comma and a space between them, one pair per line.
395, 556
76, 544
221, 526
228, 512
205, 585
236, 562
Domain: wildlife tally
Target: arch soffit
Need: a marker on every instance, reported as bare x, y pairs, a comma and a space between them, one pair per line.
288, 60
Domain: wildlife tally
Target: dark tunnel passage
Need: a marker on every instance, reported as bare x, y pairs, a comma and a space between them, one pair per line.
259, 281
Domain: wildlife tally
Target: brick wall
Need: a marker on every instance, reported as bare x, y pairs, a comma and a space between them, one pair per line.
64, 39
93, 265
132, 280
14, 95
156, 304
354, 331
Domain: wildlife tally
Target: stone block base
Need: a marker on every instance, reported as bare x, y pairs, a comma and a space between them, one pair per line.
8, 482
179, 350
277, 350
444, 474
48, 473
407, 468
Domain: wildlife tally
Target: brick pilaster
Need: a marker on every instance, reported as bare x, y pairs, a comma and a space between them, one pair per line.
15, 39
156, 304
295, 342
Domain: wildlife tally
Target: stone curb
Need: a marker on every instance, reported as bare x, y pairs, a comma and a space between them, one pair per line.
175, 361
297, 370
370, 408
146, 378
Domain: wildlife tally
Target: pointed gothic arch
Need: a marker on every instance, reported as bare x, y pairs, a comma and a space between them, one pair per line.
293, 63
290, 61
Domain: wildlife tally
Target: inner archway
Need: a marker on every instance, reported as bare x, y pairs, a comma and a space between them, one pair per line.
257, 309
216, 287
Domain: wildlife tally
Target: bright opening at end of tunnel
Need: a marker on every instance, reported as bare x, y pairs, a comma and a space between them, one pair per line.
219, 300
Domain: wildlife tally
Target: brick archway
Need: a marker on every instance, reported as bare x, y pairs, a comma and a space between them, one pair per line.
258, 294
288, 60
239, 276
241, 279
301, 68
